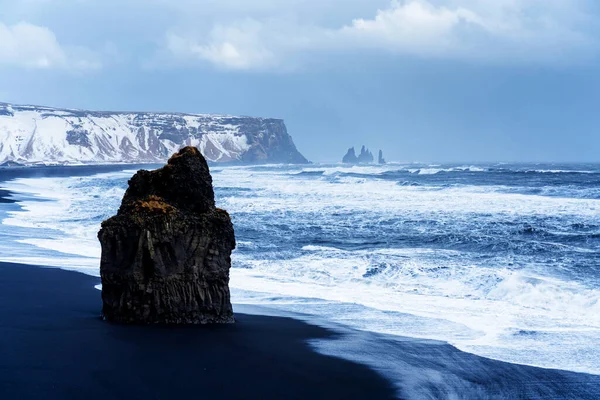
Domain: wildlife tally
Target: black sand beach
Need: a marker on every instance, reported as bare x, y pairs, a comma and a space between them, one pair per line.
53, 345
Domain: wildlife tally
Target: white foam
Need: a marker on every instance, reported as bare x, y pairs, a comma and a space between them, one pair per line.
67, 246
88, 266
275, 192
562, 171
319, 248
433, 171
66, 210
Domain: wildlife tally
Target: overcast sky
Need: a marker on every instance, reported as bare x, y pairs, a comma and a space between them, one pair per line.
425, 80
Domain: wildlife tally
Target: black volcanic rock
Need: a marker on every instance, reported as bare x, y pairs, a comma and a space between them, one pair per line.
365, 156
380, 159
166, 255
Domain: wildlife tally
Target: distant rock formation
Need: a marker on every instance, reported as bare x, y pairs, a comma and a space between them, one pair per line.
45, 135
364, 157
166, 255
380, 159
350, 157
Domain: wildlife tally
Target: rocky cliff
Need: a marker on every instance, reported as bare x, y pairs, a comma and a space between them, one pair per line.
166, 255
43, 135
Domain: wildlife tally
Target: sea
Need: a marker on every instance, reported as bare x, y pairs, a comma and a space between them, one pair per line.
500, 260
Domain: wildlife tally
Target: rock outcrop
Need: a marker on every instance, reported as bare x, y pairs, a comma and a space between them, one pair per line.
166, 255
380, 159
365, 156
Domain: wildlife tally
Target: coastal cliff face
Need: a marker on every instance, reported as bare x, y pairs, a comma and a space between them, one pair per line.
43, 135
166, 255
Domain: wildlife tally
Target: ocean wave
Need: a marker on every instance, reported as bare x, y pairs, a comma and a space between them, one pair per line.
528, 170
557, 171
310, 173
320, 248
433, 171
489, 303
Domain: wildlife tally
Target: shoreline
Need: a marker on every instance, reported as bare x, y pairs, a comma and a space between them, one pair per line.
56, 346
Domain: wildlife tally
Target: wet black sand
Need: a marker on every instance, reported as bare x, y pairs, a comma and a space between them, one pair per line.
53, 345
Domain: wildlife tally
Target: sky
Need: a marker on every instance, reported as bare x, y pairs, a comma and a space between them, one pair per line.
424, 80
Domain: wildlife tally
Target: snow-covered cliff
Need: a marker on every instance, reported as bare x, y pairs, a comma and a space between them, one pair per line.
34, 134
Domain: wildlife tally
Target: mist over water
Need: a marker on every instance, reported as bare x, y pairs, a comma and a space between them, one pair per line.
500, 260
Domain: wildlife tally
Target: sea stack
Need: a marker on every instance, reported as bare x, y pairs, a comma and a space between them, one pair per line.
350, 157
364, 157
166, 255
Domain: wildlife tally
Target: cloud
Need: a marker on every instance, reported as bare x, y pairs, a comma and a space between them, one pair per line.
36, 47
502, 31
517, 29
414, 27
237, 46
